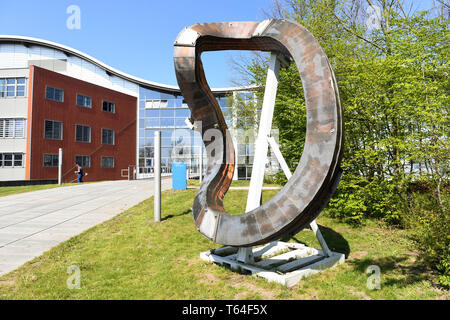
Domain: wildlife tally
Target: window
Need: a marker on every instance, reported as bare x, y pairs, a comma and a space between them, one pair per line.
156, 104
83, 161
12, 128
183, 113
2, 88
83, 133
53, 130
107, 162
109, 107
50, 160
7, 128
11, 160
18, 159
167, 122
54, 94
84, 101
152, 122
12, 87
107, 136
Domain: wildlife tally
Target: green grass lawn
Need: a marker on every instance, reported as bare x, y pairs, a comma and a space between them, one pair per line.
131, 257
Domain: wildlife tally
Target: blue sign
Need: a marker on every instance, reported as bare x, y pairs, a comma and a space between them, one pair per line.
179, 180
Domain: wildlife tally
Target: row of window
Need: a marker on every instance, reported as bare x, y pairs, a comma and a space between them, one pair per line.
11, 160
15, 160
54, 130
165, 123
12, 87
167, 113
156, 104
51, 160
12, 128
56, 94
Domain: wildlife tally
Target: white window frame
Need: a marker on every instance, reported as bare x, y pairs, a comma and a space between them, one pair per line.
113, 137
84, 100
13, 160
16, 86
81, 164
90, 133
53, 98
62, 129
109, 104
53, 155
15, 121
108, 157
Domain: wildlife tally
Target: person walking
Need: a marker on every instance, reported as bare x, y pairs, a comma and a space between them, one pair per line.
79, 173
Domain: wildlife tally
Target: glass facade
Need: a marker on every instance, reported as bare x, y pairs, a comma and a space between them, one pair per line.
168, 113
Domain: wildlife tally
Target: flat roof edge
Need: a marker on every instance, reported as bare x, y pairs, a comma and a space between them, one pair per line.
109, 69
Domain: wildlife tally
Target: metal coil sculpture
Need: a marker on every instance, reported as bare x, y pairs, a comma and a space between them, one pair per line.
318, 173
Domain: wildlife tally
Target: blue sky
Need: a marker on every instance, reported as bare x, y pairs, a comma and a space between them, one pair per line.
133, 36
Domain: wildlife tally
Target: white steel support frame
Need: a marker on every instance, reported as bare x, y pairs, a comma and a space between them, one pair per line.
301, 261
261, 147
261, 143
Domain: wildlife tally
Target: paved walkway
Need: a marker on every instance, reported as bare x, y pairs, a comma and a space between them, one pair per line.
31, 223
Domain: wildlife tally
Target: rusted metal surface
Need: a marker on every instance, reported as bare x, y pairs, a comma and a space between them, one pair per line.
316, 177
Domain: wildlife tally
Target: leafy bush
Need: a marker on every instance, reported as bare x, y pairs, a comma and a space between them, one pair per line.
444, 268
430, 232
357, 199
277, 178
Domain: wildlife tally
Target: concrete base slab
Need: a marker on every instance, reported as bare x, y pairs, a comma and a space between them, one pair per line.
282, 262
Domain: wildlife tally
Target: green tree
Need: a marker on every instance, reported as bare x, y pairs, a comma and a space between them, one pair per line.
392, 73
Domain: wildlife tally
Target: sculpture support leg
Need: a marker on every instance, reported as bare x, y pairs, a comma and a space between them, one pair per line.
323, 244
245, 254
288, 174
265, 126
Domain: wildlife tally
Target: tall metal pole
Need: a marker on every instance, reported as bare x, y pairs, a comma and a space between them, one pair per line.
157, 176
60, 155
201, 164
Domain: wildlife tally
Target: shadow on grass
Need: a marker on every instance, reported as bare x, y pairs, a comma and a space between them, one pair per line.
399, 271
170, 216
335, 241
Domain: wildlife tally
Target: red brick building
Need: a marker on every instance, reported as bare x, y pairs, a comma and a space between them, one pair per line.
94, 126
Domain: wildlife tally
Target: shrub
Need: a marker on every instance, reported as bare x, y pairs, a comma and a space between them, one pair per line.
429, 224
357, 199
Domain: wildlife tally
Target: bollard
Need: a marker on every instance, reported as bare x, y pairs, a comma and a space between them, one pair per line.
157, 176
60, 166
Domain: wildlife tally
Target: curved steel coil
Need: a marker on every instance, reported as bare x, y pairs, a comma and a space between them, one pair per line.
318, 173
